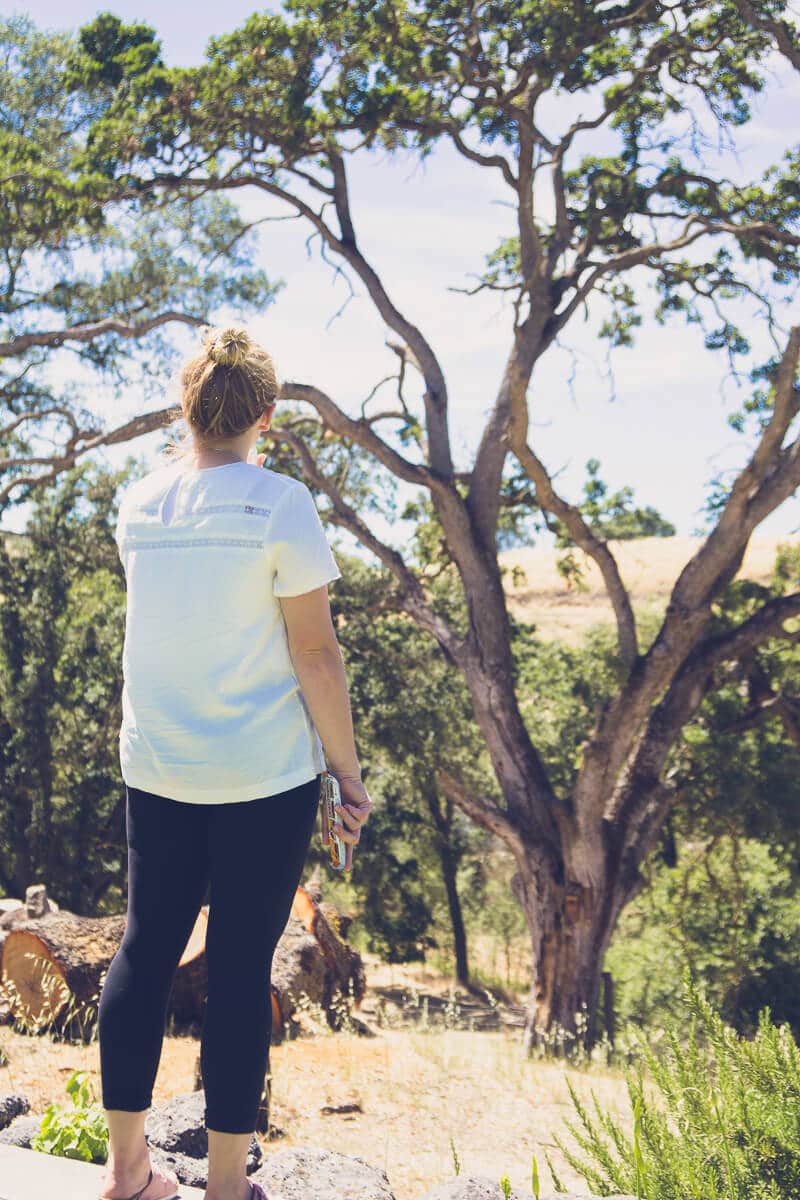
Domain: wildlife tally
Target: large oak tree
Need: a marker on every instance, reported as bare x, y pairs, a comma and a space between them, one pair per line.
279, 105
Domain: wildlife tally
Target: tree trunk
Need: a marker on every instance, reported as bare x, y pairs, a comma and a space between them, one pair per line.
456, 915
570, 925
442, 808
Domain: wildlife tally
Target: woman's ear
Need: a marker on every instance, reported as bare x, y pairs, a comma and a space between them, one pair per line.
266, 417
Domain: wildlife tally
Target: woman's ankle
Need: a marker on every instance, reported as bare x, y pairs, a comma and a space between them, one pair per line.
128, 1171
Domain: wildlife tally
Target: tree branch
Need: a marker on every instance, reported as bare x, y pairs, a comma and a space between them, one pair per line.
785, 35
483, 811
342, 514
89, 331
597, 549
361, 432
91, 439
629, 809
769, 477
435, 396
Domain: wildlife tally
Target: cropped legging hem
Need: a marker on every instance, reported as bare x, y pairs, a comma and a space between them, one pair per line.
247, 857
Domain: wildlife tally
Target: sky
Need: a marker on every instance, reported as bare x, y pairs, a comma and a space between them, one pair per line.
654, 415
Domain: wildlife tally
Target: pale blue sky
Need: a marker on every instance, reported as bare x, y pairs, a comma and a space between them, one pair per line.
427, 228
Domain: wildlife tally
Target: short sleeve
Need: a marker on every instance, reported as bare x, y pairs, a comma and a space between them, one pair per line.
119, 526
301, 556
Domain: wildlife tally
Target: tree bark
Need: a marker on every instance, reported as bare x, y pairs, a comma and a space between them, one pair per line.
571, 926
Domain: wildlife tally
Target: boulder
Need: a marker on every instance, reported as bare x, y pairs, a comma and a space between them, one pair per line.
482, 1187
176, 1133
12, 1106
315, 1173
21, 1131
178, 1140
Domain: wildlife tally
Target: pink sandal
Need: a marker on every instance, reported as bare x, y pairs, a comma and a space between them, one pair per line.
258, 1192
161, 1177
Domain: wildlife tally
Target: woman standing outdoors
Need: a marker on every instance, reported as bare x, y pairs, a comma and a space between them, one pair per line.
234, 702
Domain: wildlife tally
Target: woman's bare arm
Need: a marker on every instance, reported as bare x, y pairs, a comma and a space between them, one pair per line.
319, 667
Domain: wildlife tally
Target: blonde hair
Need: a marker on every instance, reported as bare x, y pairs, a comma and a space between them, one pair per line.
224, 389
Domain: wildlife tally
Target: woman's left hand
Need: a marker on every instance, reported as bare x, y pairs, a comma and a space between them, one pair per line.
352, 811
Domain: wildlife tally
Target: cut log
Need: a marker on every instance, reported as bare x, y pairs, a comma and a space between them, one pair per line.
187, 998
12, 911
312, 960
52, 965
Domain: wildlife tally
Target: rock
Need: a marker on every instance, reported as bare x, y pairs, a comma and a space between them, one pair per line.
11, 1106
192, 1172
177, 1127
37, 901
310, 1173
482, 1187
21, 1131
471, 1187
177, 1138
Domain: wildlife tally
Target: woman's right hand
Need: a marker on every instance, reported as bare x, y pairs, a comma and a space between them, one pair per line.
352, 812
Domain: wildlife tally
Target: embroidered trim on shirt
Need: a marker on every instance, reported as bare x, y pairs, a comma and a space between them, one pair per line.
171, 543
152, 510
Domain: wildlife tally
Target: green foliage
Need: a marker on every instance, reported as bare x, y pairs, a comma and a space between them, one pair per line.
715, 1117
730, 911
412, 715
535, 1186
92, 276
78, 1132
614, 516
561, 687
62, 617
493, 913
738, 762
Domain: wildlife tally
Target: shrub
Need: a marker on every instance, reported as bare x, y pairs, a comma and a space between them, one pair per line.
719, 1117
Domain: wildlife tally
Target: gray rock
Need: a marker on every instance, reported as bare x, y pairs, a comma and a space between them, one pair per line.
21, 1131
482, 1187
177, 1130
178, 1141
310, 1173
472, 1187
11, 1106
192, 1172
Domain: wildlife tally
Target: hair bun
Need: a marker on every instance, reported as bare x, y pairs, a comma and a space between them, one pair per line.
228, 347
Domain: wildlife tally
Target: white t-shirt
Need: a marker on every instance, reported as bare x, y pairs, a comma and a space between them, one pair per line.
212, 711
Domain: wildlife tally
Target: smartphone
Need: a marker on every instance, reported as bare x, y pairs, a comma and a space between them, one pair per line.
330, 795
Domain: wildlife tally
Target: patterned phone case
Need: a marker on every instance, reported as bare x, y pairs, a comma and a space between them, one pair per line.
330, 794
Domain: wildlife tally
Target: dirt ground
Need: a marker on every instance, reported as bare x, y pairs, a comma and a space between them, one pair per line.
441, 1075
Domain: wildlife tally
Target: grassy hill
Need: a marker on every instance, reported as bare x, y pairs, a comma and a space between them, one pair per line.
649, 568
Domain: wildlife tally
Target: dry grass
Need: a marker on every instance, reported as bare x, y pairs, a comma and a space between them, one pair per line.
414, 1090
649, 568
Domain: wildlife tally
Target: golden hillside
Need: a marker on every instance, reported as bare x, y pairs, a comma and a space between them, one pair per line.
649, 568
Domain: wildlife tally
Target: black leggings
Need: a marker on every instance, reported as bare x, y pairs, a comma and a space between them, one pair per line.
252, 854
